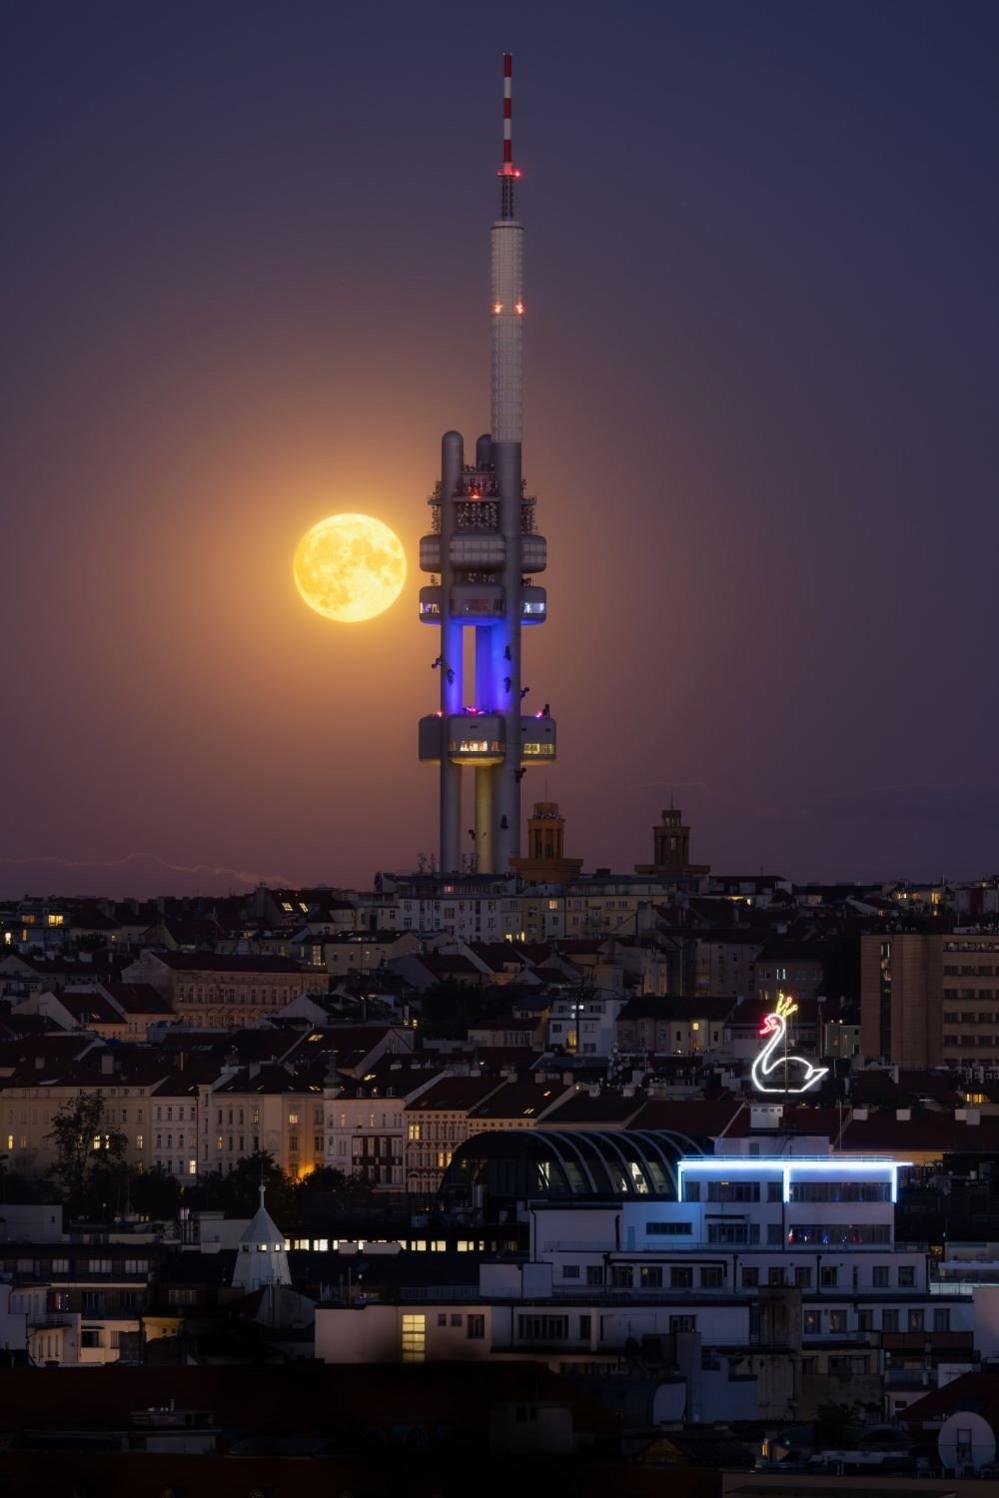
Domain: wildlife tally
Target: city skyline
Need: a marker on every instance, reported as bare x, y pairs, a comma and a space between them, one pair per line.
246, 288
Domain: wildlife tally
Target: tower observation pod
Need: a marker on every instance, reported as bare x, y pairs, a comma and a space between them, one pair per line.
484, 554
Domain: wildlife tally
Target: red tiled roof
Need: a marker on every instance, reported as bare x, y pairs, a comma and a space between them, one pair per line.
605, 1107
90, 1008
970, 1391
455, 1093
224, 962
137, 998
519, 1100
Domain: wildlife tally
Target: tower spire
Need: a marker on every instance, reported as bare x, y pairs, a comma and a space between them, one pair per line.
485, 550
508, 173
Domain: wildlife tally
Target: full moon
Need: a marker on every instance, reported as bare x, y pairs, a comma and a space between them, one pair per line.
350, 568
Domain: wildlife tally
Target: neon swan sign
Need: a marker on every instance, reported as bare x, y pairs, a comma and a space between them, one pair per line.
795, 1068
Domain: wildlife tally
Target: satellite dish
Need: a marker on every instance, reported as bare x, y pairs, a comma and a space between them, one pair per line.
966, 1440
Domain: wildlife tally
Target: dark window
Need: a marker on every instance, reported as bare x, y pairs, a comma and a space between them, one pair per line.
733, 1232
733, 1191
542, 1328
841, 1191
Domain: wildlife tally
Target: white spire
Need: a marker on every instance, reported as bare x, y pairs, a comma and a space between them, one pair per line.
261, 1258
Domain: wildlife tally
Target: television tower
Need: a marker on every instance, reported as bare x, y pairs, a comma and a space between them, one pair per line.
484, 552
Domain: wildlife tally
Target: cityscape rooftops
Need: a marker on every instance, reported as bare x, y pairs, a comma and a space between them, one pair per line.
225, 962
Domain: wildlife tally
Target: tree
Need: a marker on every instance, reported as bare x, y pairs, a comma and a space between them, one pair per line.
237, 1191
325, 1196
31, 1190
448, 1009
155, 1193
89, 1153
837, 1426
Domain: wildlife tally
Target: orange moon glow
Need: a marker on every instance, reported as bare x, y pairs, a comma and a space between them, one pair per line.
350, 568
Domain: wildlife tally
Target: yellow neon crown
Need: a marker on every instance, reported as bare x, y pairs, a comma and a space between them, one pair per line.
786, 1006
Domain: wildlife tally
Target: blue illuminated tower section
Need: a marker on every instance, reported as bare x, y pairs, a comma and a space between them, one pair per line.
484, 552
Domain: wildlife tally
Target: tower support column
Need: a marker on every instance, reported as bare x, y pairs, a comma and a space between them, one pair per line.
484, 841
451, 662
506, 800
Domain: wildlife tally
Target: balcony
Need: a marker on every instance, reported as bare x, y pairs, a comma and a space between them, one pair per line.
480, 739
478, 603
534, 607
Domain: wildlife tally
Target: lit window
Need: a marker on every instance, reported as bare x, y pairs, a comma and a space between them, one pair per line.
414, 1339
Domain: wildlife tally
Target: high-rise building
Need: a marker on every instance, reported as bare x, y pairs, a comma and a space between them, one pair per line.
930, 998
484, 552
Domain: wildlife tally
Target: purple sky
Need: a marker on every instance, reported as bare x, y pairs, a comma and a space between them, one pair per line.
246, 286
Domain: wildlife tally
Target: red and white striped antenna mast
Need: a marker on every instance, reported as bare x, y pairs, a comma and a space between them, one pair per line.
508, 173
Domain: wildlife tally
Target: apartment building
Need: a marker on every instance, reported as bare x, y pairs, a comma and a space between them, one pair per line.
215, 990
31, 1096
790, 967
930, 999
365, 1119
436, 1123
262, 1107
673, 1026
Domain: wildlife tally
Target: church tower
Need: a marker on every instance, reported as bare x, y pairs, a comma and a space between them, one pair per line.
546, 862
671, 848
